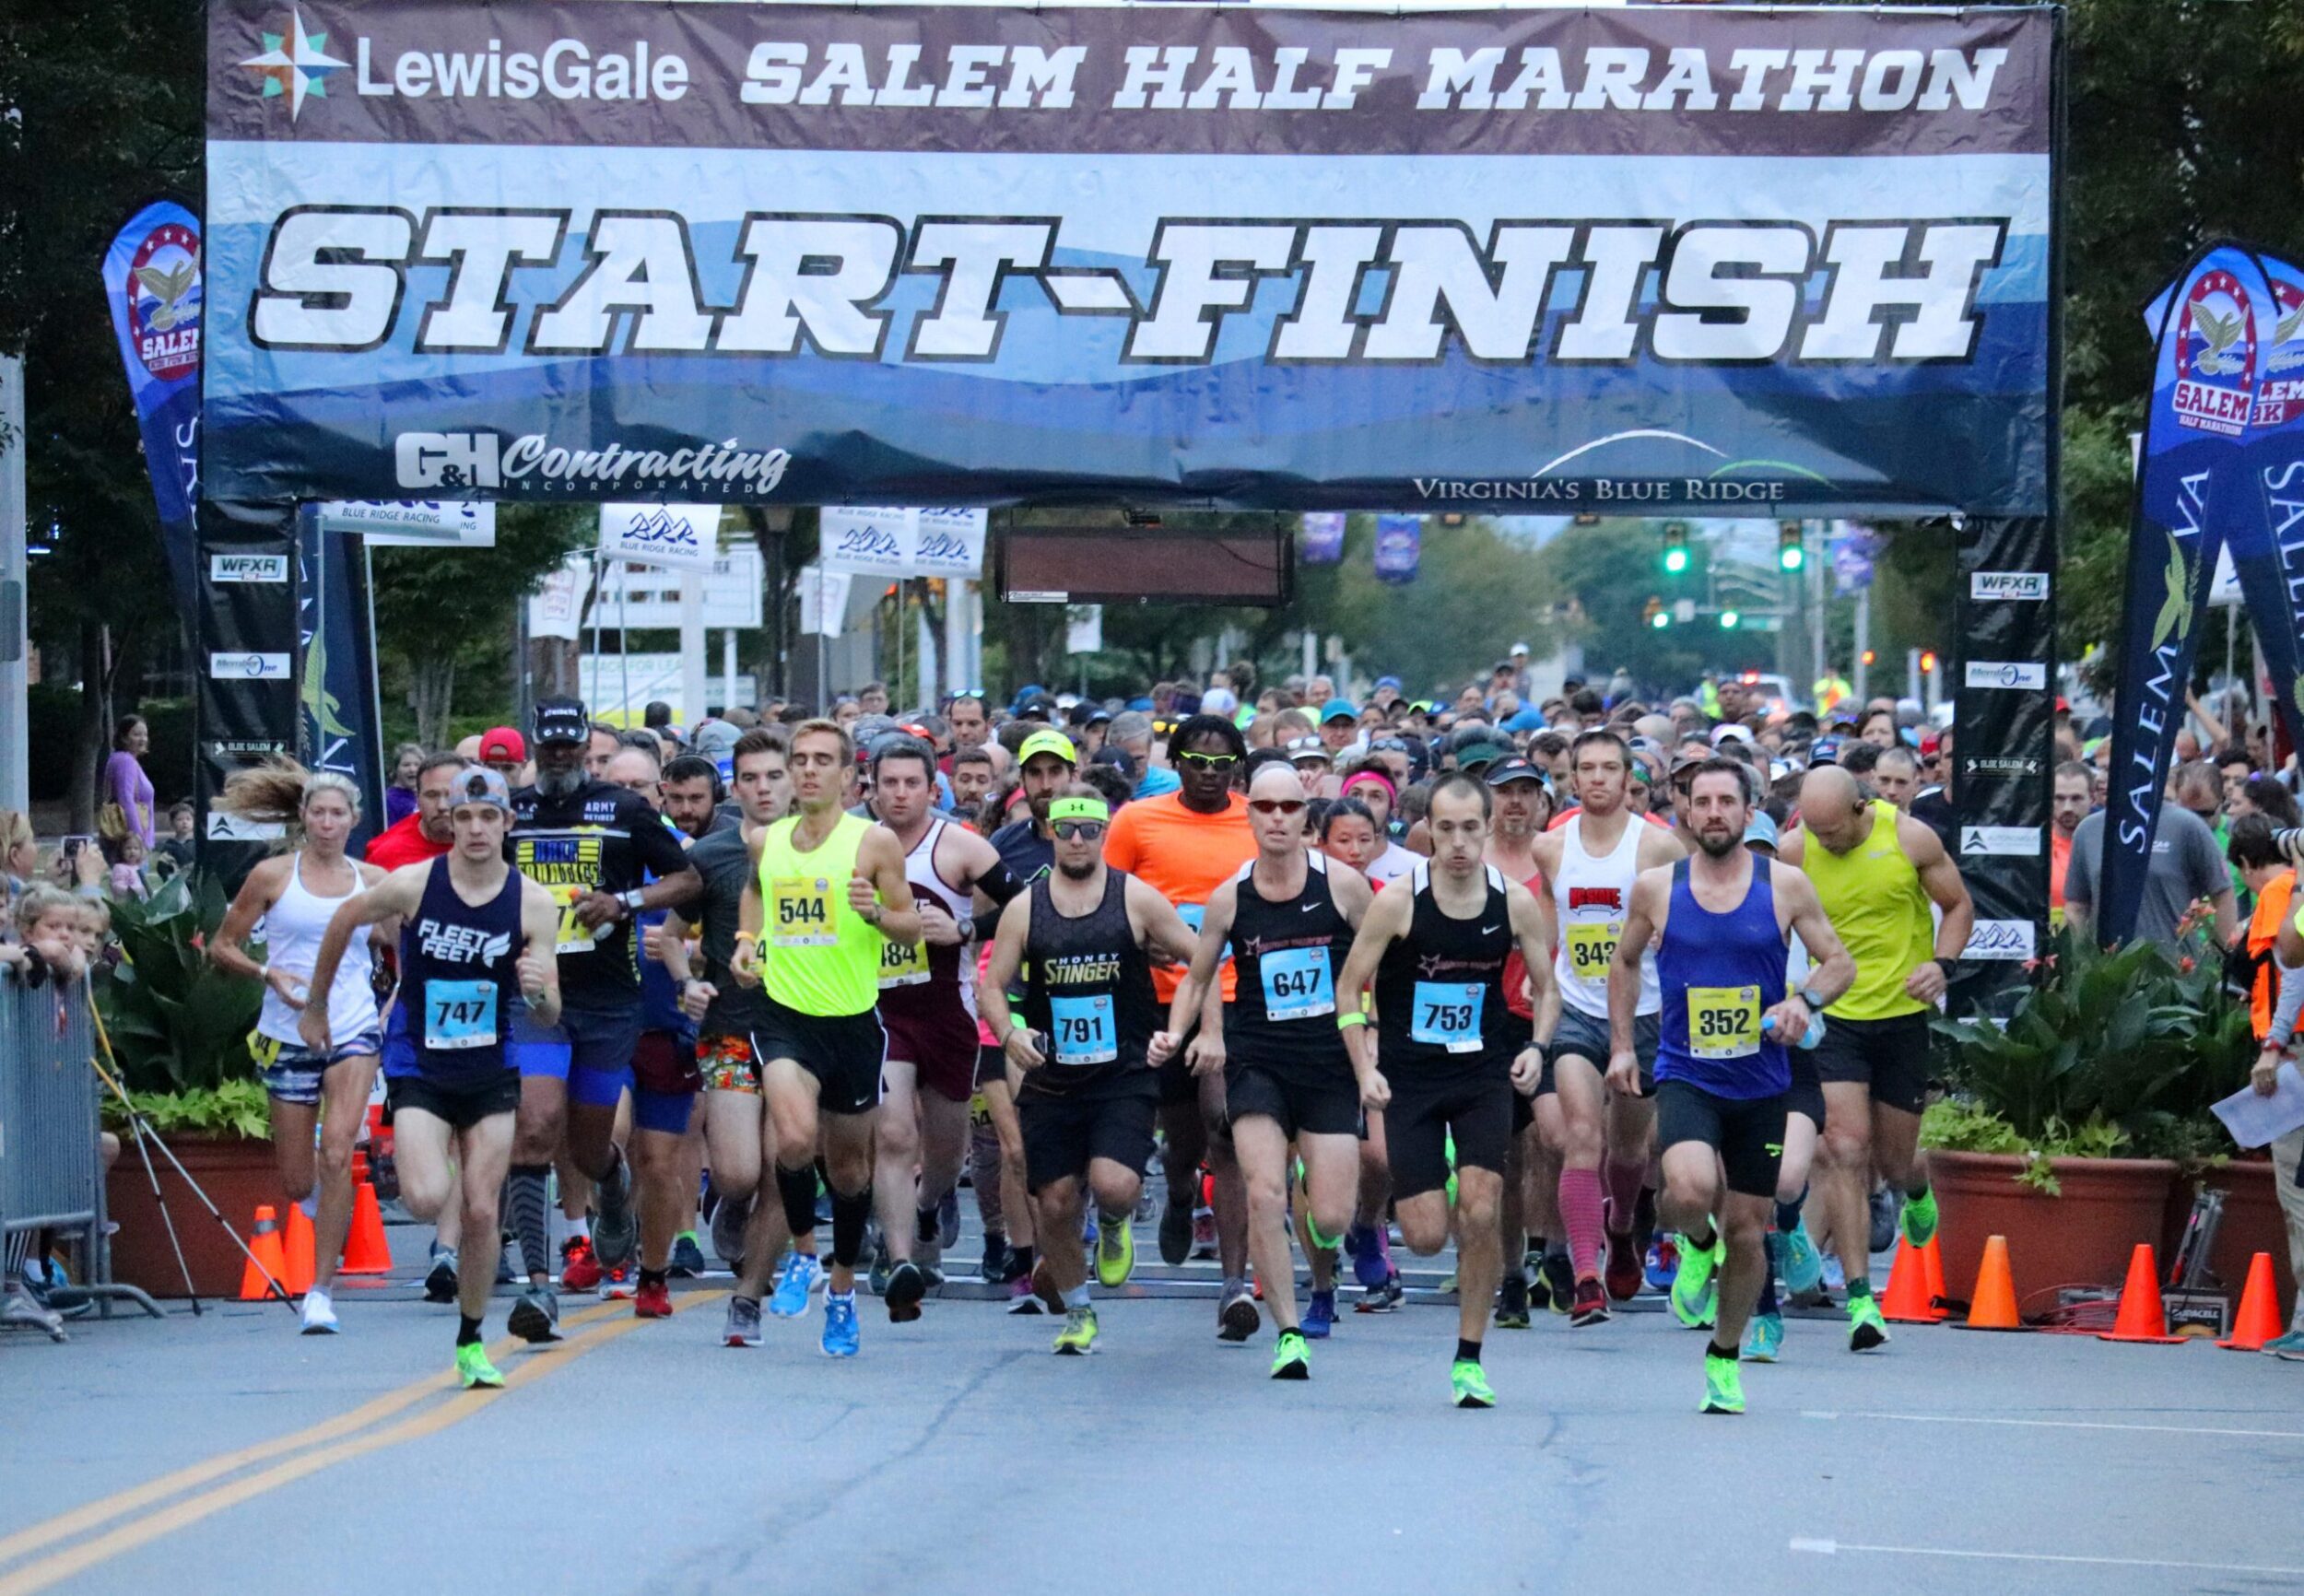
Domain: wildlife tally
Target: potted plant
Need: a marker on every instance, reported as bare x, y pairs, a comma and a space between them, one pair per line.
2077, 1105
179, 1030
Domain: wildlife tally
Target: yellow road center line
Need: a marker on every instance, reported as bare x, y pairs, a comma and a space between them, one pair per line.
38, 1576
78, 1520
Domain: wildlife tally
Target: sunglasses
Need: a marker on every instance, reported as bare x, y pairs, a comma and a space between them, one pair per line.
1276, 805
1387, 745
1212, 763
1079, 831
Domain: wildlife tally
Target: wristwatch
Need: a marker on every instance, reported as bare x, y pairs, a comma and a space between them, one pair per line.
1816, 1003
631, 901
1951, 968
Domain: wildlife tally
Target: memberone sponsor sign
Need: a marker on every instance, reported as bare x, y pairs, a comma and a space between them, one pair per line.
2010, 841
2003, 940
1719, 260
2008, 585
2028, 674
249, 668
262, 567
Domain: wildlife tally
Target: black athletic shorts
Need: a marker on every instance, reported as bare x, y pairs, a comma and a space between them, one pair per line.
992, 1064
1176, 1083
1305, 1102
1587, 1039
1807, 1096
1890, 1056
1747, 1132
1100, 1112
460, 1104
1475, 1108
842, 1052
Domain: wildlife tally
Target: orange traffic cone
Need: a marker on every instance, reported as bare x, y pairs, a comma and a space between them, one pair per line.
298, 1251
266, 1246
1905, 1299
2141, 1318
1937, 1296
1992, 1305
365, 1250
2258, 1321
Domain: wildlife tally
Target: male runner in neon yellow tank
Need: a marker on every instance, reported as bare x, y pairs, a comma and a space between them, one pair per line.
1876, 871
830, 890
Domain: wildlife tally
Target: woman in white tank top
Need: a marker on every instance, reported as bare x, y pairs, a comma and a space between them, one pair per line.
288, 901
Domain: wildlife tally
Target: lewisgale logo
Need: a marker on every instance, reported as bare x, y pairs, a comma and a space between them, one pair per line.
1989, 586
2215, 339
249, 668
294, 64
250, 568
2006, 673
465, 460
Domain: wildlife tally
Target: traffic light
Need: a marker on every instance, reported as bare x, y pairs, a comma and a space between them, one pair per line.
1655, 615
1729, 620
1792, 551
1928, 662
1675, 548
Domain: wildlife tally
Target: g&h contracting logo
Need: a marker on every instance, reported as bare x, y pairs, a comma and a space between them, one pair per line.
295, 63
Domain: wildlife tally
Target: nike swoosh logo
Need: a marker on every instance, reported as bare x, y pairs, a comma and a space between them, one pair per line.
1308, 907
1491, 930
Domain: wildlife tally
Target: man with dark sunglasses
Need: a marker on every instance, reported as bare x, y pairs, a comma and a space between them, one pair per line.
1184, 846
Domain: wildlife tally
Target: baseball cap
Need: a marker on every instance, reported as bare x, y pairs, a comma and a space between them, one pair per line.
1475, 752
1391, 682
1761, 831
478, 784
1339, 710
1825, 751
1036, 706
1302, 748
1722, 733
560, 720
503, 742
1050, 742
1519, 648
1513, 769
1685, 758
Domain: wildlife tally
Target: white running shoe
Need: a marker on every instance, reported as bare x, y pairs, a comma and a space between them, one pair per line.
320, 1314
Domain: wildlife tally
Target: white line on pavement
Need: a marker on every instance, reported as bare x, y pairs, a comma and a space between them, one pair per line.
2058, 1424
1832, 1548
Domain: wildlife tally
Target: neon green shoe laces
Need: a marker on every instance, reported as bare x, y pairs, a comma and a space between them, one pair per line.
474, 1369
1291, 1359
1694, 1299
1919, 1218
1469, 1383
1723, 1386
1115, 1252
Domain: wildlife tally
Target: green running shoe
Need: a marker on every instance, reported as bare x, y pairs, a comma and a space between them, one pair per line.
1695, 1297
474, 1369
1866, 1329
1078, 1338
1470, 1384
1723, 1385
1763, 1338
1115, 1251
1290, 1359
1919, 1218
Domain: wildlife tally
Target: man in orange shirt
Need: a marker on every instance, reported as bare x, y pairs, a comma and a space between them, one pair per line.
2075, 797
1185, 845
2264, 866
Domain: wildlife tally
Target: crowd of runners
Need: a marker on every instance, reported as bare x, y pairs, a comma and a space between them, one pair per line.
1610, 1000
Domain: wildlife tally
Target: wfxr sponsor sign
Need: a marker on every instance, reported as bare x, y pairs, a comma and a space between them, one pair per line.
521, 250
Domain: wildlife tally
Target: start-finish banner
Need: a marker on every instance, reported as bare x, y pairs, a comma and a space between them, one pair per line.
1669, 257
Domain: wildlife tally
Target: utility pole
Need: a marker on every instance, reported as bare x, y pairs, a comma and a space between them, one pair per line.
14, 648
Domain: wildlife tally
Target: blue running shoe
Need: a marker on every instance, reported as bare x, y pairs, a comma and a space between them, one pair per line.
841, 1339
1320, 1316
792, 1291
1804, 1265
1663, 1263
1371, 1255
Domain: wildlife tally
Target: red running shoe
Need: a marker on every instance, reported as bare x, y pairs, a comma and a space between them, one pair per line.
580, 1271
653, 1300
1624, 1271
1592, 1304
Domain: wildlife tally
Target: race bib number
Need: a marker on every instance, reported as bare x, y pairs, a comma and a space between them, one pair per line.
902, 965
567, 868
572, 935
1193, 915
1723, 1021
1297, 984
799, 912
1446, 1015
1084, 1033
1591, 949
459, 1015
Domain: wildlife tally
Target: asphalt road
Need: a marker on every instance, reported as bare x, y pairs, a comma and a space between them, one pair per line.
228, 1453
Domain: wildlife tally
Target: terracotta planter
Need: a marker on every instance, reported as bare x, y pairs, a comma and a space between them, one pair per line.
2252, 1223
2083, 1238
237, 1175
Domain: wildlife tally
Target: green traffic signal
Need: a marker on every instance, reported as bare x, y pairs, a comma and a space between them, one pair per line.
1792, 556
1729, 620
1661, 619
1676, 559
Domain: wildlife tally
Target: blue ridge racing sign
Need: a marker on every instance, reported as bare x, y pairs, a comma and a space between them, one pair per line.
1649, 257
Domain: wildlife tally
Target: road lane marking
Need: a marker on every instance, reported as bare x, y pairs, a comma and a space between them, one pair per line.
1832, 1548
78, 1520
2060, 1425
64, 1564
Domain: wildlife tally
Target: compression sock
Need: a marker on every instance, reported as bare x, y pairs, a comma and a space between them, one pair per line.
531, 1209
1774, 1245
1624, 1192
850, 1212
1580, 1213
1644, 1213
797, 1189
467, 1330
1467, 1351
1788, 1214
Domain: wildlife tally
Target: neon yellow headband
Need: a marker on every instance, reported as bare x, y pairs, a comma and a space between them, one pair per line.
1080, 809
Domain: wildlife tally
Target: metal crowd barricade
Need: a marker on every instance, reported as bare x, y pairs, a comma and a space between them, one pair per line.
51, 1174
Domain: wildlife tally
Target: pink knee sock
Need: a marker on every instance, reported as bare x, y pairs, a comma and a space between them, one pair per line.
1624, 1192
1580, 1215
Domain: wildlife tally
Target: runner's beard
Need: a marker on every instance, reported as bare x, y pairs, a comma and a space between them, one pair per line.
1719, 847
561, 784
1078, 872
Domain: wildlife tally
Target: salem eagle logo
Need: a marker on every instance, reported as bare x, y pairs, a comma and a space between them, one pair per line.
2174, 618
2221, 333
168, 285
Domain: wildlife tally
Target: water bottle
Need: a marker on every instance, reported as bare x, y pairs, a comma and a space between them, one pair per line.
1814, 1033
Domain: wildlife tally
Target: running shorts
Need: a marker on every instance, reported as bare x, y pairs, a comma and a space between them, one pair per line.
728, 1063
590, 1050
992, 1066
292, 1073
1889, 1056
1108, 1117
942, 1051
1587, 1038
459, 1104
844, 1052
664, 1082
1326, 1103
1806, 1093
1747, 1132
1475, 1108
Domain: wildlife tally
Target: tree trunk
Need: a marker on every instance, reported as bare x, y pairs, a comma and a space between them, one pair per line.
432, 688
95, 739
